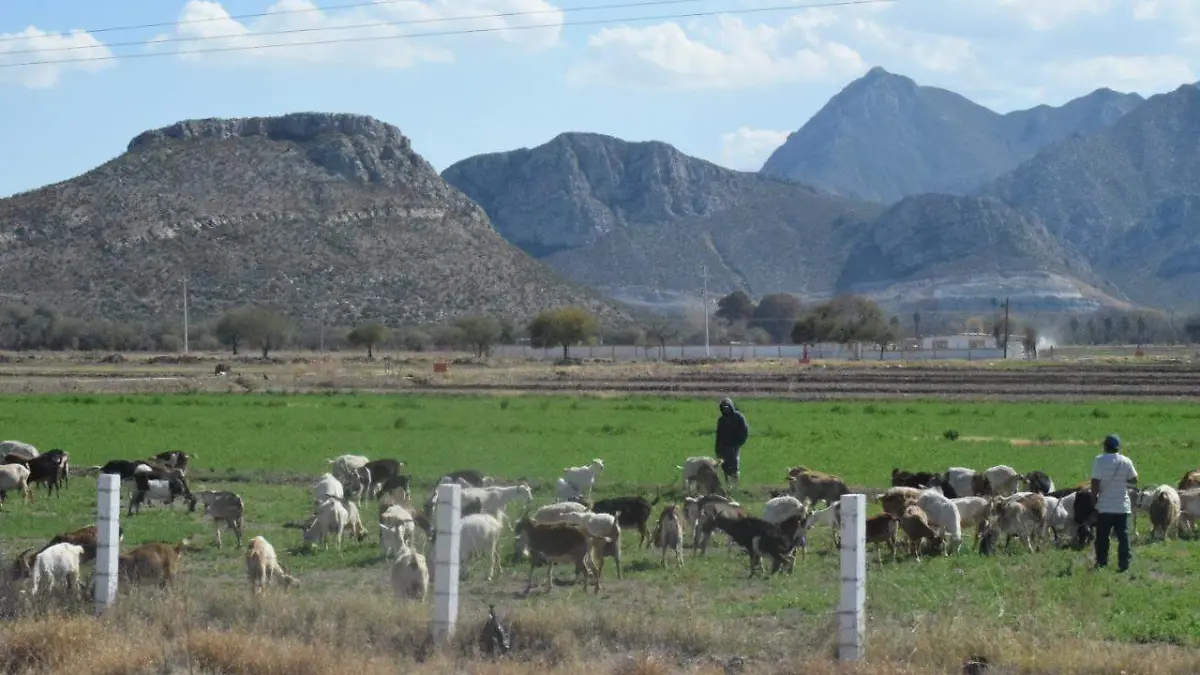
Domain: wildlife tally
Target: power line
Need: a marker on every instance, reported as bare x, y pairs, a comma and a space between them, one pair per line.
257, 15
467, 31
374, 24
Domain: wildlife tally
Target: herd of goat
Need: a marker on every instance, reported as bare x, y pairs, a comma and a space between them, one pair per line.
932, 509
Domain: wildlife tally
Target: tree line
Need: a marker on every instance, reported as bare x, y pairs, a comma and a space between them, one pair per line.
773, 319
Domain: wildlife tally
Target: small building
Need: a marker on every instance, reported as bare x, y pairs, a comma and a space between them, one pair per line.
960, 342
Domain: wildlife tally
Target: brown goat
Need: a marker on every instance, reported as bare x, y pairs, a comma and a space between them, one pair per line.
895, 500
668, 533
916, 527
554, 543
707, 481
155, 562
882, 529
86, 537
1190, 480
816, 486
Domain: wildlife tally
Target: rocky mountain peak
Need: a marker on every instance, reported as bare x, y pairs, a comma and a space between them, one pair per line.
357, 147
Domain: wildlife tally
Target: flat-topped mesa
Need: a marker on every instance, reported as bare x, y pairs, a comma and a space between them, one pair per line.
298, 127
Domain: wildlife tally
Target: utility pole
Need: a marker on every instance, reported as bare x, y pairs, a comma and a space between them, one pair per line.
1007, 302
322, 329
185, 316
704, 274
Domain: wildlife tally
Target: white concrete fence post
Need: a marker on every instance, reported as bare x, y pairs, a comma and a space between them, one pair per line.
851, 608
445, 577
108, 540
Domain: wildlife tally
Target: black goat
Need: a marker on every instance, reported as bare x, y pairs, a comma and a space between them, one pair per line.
47, 469
176, 485
914, 479
1039, 482
401, 482
382, 469
475, 478
124, 468
757, 537
632, 513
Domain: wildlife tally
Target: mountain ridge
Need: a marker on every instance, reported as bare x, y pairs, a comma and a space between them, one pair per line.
884, 137
309, 211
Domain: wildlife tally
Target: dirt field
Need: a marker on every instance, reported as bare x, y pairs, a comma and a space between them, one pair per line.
1082, 377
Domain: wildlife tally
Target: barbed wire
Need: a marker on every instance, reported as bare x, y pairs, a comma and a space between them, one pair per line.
256, 15
464, 31
357, 26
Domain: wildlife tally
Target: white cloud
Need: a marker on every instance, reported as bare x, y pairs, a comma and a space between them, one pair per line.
64, 48
747, 149
729, 55
1146, 75
929, 52
362, 37
1043, 15
1005, 54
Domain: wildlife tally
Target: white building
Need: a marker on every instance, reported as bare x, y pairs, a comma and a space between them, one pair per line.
962, 341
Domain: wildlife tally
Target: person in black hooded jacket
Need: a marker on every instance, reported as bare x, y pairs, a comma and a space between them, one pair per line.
732, 431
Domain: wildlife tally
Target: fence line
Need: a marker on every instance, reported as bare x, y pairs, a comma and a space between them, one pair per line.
851, 614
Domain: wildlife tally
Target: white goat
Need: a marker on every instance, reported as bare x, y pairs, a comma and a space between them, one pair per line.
480, 533
962, 480
943, 516
565, 492
582, 478
262, 566
354, 520
22, 450
783, 507
58, 563
691, 468
344, 465
1164, 510
396, 528
410, 575
1057, 516
1003, 479
332, 518
493, 499
555, 513
15, 477
328, 486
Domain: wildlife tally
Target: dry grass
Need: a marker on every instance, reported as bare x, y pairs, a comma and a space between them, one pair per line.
226, 631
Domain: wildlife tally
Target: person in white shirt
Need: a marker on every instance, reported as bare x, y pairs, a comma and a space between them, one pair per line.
1112, 476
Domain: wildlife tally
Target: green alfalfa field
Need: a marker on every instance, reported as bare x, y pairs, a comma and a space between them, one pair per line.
1021, 607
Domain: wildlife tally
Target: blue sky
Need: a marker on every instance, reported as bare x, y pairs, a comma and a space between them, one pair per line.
727, 88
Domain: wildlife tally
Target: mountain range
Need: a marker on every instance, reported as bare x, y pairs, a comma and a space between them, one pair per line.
912, 195
909, 194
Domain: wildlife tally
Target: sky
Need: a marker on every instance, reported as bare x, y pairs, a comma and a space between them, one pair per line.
727, 83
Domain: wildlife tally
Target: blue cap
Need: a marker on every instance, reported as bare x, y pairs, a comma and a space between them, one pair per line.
1112, 443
